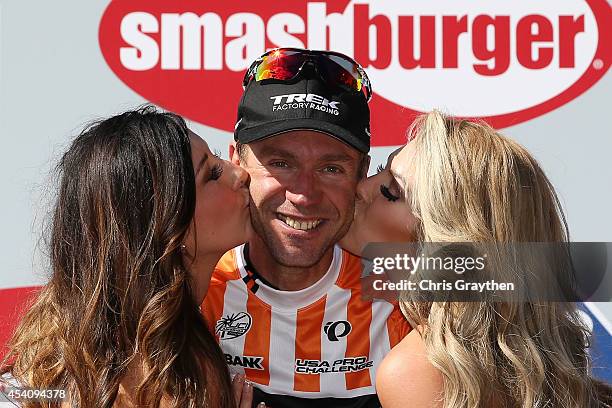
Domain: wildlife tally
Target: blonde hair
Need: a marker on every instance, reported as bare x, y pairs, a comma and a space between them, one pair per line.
474, 185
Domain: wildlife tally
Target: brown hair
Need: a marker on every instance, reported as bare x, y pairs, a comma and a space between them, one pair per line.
119, 294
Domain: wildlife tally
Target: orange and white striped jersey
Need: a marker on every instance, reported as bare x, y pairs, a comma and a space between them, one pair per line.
323, 342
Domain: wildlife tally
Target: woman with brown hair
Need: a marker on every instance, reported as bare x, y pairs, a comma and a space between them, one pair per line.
461, 181
143, 212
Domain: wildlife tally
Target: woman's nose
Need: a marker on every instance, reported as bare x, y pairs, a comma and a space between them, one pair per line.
241, 177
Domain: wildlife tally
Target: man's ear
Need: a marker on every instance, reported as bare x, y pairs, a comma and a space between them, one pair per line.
233, 153
363, 172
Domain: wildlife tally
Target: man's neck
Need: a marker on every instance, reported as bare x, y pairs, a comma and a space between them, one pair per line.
285, 277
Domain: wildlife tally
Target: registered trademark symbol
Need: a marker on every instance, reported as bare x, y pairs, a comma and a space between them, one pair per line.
598, 64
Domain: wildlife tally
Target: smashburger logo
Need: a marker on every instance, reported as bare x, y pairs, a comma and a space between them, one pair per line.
506, 62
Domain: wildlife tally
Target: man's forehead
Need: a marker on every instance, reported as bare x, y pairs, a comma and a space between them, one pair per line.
298, 142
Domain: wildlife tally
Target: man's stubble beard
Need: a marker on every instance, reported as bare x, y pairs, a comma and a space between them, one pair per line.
289, 260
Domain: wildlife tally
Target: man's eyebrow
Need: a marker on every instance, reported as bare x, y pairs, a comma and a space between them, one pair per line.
201, 164
275, 151
337, 157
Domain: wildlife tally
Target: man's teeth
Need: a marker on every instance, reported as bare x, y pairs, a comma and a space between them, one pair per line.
304, 225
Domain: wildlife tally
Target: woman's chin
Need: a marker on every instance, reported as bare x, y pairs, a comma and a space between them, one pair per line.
351, 243
245, 235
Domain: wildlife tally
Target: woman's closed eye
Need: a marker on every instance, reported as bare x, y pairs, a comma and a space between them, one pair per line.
215, 172
384, 190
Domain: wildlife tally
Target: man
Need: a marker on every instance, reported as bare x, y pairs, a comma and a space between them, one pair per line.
287, 307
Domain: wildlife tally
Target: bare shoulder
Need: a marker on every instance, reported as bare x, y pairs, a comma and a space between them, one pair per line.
406, 378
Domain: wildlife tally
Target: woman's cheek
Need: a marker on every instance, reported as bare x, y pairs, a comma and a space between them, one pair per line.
375, 225
231, 200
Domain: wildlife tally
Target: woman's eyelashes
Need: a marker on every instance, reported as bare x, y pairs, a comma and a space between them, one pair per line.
215, 172
217, 169
384, 190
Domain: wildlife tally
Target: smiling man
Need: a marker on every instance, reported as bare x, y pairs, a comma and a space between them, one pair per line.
286, 307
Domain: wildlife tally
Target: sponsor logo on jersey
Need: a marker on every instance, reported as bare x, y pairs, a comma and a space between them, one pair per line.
233, 325
337, 330
503, 61
253, 362
349, 364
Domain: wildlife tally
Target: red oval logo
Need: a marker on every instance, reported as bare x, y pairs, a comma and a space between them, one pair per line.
506, 64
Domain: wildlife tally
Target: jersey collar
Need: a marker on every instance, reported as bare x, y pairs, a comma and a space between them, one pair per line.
293, 300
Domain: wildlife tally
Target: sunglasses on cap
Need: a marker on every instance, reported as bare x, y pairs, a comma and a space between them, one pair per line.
285, 64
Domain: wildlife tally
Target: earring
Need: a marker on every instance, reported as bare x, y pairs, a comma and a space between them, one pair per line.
183, 247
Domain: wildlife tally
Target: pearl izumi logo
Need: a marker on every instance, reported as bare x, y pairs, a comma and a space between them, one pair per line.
337, 330
233, 325
302, 101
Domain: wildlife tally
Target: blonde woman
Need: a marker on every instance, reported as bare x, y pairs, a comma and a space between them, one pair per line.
460, 181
